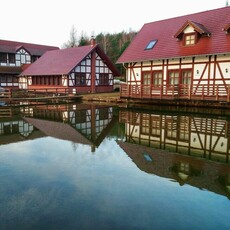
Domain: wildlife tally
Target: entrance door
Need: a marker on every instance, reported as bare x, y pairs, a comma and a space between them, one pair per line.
23, 83
186, 82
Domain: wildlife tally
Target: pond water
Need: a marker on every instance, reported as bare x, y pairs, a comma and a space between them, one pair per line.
89, 166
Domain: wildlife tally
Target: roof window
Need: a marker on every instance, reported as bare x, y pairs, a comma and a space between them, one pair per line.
151, 44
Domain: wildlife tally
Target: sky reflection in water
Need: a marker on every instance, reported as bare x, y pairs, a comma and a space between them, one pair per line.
54, 184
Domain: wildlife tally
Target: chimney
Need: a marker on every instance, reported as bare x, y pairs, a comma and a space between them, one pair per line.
92, 41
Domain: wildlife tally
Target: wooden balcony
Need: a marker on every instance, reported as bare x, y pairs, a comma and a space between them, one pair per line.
199, 92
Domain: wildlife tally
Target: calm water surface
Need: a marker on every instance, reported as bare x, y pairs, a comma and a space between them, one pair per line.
99, 167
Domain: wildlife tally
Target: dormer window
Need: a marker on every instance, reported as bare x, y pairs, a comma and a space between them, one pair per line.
190, 32
189, 39
151, 44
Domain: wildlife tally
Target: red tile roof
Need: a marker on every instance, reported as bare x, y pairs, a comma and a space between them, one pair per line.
34, 49
168, 46
58, 62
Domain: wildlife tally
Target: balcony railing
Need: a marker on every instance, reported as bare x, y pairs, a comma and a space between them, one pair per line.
190, 92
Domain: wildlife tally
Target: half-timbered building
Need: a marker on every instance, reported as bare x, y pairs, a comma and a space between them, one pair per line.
14, 56
198, 136
84, 69
184, 170
85, 124
182, 59
82, 124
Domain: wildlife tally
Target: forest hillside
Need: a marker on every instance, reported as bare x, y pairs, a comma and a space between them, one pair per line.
112, 44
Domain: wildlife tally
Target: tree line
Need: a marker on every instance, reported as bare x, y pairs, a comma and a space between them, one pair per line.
112, 44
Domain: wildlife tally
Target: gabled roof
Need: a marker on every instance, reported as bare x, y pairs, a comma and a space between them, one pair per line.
199, 28
58, 62
34, 49
22, 47
167, 46
58, 130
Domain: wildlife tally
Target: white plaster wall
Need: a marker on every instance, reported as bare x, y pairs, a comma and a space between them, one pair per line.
188, 29
187, 63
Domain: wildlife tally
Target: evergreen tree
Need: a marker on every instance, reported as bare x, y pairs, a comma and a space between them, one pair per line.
112, 44
84, 40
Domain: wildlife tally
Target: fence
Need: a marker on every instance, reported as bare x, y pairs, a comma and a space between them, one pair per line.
190, 92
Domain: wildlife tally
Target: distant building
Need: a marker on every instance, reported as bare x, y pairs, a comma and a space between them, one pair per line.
84, 69
183, 58
14, 56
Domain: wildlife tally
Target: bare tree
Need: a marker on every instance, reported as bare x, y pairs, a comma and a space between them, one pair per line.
105, 42
72, 40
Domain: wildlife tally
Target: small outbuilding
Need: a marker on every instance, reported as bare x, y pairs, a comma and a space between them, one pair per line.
84, 69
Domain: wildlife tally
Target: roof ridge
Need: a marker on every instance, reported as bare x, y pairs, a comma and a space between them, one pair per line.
187, 15
25, 43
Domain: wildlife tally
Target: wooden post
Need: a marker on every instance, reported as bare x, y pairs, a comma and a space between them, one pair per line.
173, 89
93, 72
217, 92
93, 126
10, 93
202, 92
228, 93
141, 91
161, 91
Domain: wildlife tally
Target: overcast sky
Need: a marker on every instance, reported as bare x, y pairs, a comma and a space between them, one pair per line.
49, 22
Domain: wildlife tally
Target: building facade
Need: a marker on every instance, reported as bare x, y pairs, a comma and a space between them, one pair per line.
182, 58
14, 57
85, 69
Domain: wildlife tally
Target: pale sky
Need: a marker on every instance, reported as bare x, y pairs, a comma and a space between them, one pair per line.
49, 22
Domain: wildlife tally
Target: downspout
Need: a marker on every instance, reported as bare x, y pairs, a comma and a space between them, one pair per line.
125, 67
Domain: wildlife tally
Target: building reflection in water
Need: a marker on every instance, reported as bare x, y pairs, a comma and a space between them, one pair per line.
189, 149
13, 128
79, 123
191, 135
